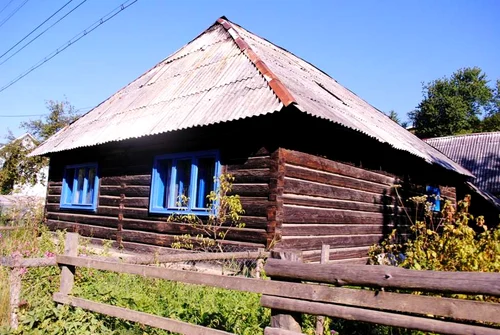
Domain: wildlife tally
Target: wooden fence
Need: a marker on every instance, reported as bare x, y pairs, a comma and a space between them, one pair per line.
316, 289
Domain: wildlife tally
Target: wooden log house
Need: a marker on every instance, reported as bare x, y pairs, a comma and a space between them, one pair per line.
313, 163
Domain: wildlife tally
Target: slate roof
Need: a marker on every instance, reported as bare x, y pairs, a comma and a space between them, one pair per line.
478, 153
228, 73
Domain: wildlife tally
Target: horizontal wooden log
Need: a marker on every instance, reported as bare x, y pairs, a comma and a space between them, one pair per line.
54, 190
164, 240
250, 190
323, 164
120, 168
53, 183
303, 187
357, 261
135, 316
175, 228
27, 262
128, 191
408, 303
384, 318
335, 179
96, 220
335, 254
475, 283
255, 206
83, 229
335, 241
141, 180
333, 229
258, 176
278, 331
262, 162
54, 199
303, 214
311, 201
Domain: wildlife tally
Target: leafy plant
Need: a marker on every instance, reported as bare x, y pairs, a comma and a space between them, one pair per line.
225, 214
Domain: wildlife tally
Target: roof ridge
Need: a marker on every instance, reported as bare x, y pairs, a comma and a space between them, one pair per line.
484, 133
272, 79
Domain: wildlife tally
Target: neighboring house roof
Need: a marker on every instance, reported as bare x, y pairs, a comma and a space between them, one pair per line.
228, 73
478, 153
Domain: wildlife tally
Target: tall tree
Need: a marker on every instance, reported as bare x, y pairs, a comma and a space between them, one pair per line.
61, 114
452, 105
16, 168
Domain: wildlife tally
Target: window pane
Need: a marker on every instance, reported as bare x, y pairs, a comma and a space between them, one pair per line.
89, 194
182, 181
78, 191
69, 177
165, 171
205, 181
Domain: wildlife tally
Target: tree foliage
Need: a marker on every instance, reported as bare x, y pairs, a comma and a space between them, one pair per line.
455, 105
18, 168
61, 114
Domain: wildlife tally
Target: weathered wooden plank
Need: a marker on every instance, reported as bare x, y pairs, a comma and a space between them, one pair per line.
335, 254
53, 198
7, 228
135, 316
303, 214
129, 191
255, 206
278, 331
84, 218
68, 271
389, 276
258, 176
333, 229
83, 229
54, 190
311, 201
354, 261
384, 318
15, 284
27, 262
335, 241
323, 164
408, 303
175, 228
165, 240
139, 180
262, 162
335, 179
250, 190
303, 187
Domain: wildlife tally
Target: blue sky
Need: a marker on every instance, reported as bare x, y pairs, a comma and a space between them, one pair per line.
381, 50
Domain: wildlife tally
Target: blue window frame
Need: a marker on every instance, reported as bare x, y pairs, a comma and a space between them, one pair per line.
80, 187
434, 197
180, 183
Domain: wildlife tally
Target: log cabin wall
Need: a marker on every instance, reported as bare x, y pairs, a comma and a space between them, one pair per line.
125, 179
327, 202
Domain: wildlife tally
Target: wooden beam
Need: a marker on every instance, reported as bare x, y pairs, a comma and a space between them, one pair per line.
139, 317
68, 271
277, 331
388, 276
384, 318
408, 303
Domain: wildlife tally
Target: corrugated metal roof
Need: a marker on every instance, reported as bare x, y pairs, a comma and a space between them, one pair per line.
479, 153
228, 73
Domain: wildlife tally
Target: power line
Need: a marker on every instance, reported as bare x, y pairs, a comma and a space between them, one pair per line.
41, 24
43, 32
75, 39
13, 13
7, 5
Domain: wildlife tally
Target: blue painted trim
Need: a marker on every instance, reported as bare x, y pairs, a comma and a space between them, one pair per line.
67, 201
156, 205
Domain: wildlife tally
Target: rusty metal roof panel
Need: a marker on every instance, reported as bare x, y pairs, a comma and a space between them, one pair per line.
208, 81
479, 153
317, 94
228, 73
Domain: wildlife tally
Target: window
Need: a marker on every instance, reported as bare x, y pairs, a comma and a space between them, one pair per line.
434, 197
80, 187
180, 183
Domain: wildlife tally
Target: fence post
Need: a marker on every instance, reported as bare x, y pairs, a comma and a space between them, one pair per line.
260, 263
68, 271
325, 257
284, 319
15, 292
